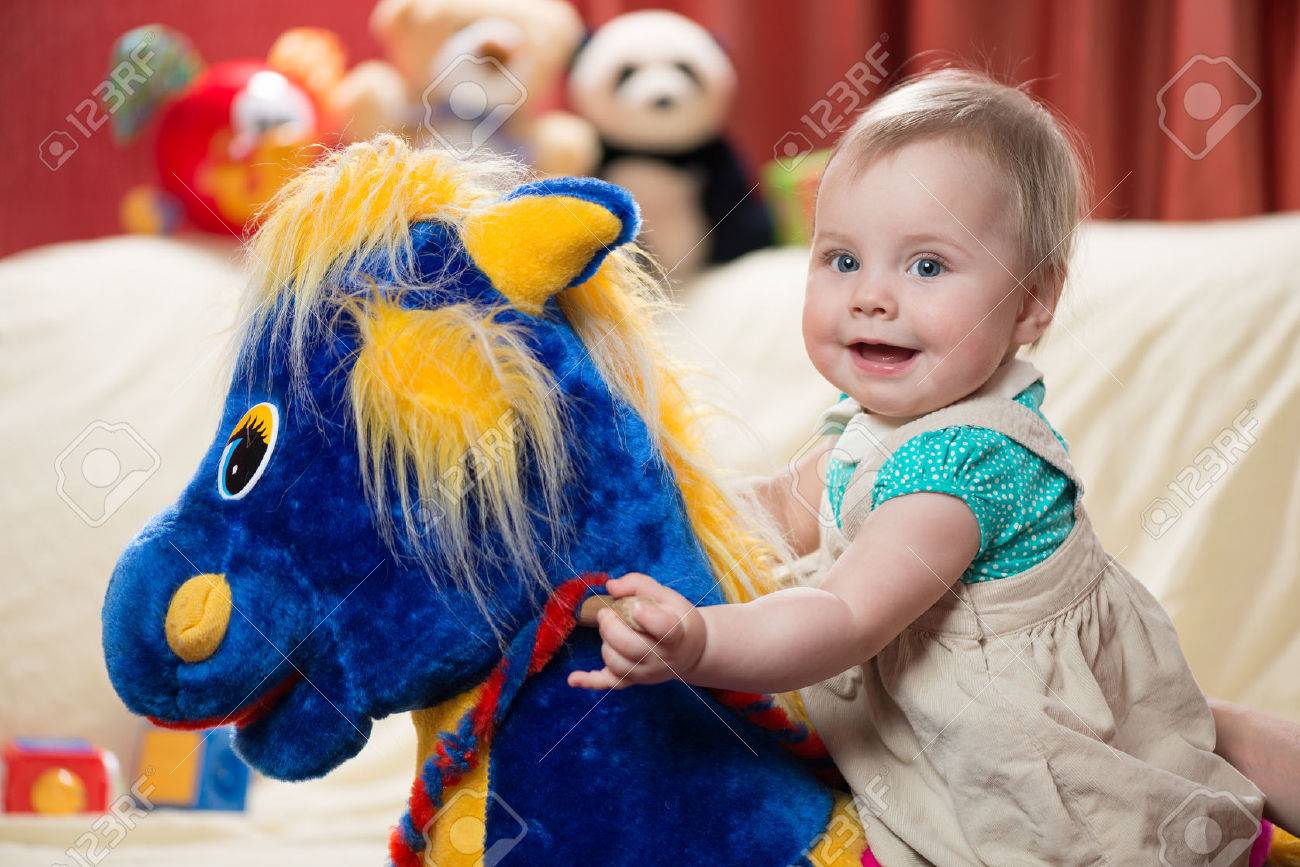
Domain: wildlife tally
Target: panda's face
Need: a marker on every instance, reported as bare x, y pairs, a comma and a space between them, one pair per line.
653, 81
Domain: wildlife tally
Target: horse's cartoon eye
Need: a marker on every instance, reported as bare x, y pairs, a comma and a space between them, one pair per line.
248, 451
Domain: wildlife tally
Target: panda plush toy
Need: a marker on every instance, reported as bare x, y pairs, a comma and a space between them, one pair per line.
658, 88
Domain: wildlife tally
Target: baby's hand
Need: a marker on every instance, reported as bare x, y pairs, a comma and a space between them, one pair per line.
667, 643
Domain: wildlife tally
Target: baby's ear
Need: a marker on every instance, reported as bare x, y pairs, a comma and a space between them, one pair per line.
1049, 286
1038, 308
549, 235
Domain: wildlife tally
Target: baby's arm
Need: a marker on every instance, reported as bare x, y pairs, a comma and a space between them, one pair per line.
1266, 749
906, 556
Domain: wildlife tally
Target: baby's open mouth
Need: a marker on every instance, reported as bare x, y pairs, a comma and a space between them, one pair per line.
882, 353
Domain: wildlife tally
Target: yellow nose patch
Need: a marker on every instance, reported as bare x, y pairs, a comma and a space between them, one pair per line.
198, 616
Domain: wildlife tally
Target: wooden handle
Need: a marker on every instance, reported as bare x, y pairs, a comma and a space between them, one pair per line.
592, 604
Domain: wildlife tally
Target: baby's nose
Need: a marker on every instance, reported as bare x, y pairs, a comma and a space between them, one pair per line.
873, 300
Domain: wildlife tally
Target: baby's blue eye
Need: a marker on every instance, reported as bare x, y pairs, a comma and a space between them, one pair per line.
844, 263
926, 266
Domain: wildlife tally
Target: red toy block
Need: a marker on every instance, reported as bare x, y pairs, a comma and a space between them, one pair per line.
54, 775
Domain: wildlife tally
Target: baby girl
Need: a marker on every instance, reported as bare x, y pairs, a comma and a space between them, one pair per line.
969, 640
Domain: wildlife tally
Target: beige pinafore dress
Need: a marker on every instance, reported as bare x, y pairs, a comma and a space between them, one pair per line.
1044, 718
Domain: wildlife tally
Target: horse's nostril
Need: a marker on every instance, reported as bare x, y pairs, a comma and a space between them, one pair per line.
198, 616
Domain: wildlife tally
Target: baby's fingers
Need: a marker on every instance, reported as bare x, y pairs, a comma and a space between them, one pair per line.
615, 633
603, 679
636, 583
660, 623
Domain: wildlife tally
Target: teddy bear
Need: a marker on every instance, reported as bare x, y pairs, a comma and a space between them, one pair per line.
471, 74
658, 89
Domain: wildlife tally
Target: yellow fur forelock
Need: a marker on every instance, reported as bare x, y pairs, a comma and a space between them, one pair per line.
448, 401
431, 362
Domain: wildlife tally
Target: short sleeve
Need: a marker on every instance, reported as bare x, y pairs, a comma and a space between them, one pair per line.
991, 473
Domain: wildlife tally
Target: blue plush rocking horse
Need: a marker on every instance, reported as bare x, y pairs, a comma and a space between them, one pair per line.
447, 425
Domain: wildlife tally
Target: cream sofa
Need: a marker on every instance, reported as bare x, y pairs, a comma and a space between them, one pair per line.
1176, 361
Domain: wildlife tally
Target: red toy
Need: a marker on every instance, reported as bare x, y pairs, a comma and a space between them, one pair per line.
55, 776
229, 135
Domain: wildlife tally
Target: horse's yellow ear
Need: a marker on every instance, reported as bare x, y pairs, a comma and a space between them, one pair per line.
547, 236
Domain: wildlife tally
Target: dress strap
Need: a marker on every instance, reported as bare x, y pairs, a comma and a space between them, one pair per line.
1013, 420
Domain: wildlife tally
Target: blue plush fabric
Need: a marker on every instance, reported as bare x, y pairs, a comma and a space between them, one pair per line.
648, 775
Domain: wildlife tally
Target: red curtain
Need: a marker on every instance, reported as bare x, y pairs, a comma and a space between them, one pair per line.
1102, 64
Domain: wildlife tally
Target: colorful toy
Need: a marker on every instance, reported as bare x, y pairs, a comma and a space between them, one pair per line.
658, 88
448, 424
56, 776
191, 769
791, 186
471, 75
229, 135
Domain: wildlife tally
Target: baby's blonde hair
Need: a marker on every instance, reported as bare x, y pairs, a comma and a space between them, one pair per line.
1040, 155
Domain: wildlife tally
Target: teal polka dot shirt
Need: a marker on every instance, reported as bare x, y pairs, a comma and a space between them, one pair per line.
1024, 505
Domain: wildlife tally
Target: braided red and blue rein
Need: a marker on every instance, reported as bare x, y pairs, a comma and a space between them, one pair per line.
457, 752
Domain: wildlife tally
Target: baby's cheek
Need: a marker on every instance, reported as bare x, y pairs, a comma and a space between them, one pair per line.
818, 307
971, 350
822, 357
818, 331
965, 329
943, 331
